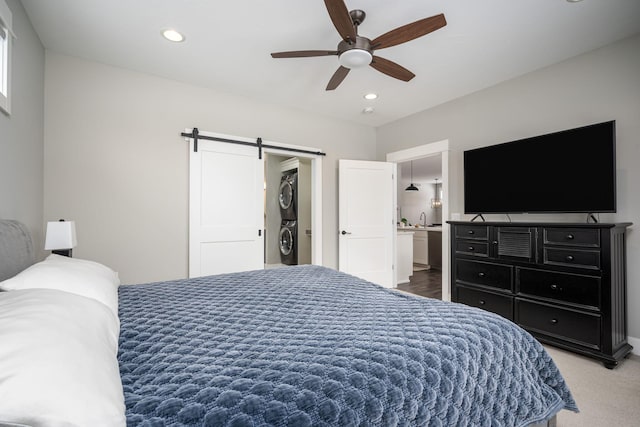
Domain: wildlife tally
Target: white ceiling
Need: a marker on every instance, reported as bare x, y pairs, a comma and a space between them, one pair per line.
228, 44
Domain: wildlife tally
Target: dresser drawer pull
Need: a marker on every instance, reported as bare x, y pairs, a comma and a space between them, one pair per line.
470, 231
554, 321
569, 258
470, 248
570, 237
481, 274
555, 287
482, 302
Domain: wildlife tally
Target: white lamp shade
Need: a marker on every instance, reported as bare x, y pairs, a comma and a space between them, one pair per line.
355, 58
60, 235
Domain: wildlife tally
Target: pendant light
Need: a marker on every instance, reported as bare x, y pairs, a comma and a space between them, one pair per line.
411, 187
436, 202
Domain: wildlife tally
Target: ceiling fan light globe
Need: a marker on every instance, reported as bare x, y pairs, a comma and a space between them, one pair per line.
355, 58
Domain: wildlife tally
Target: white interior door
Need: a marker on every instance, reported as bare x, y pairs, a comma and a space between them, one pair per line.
366, 220
225, 209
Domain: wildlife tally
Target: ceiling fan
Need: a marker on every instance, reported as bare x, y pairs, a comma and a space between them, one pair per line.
356, 51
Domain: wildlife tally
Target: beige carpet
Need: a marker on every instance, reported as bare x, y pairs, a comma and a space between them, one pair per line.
606, 398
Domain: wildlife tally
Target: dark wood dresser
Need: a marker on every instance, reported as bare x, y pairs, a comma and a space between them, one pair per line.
565, 283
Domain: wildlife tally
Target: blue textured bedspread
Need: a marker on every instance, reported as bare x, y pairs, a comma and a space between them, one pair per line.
303, 346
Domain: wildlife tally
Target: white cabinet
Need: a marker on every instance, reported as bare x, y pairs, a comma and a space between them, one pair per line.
404, 256
421, 247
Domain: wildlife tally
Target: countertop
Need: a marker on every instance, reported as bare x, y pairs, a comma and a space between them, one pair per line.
405, 230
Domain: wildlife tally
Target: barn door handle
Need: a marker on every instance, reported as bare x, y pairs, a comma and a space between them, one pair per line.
344, 232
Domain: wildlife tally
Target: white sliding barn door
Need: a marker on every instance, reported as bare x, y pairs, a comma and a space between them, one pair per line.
226, 210
366, 220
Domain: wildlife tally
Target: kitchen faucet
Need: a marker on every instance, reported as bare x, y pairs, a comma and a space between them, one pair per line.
423, 215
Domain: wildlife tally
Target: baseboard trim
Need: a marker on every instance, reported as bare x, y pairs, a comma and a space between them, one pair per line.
635, 342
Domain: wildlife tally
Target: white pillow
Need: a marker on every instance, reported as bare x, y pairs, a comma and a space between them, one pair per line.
58, 361
78, 276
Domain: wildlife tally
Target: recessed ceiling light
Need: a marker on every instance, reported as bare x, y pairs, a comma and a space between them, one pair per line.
368, 110
172, 35
371, 96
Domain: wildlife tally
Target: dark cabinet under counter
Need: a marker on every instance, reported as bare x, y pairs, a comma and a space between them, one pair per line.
564, 283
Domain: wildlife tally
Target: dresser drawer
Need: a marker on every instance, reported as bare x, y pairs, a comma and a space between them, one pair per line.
472, 248
486, 274
565, 324
572, 257
572, 236
480, 232
499, 304
569, 288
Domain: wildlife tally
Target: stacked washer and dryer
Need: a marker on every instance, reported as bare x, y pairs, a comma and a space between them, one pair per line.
288, 201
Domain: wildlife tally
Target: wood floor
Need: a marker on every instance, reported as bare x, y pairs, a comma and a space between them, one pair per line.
427, 283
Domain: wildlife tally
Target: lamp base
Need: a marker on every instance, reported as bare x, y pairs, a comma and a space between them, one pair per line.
63, 252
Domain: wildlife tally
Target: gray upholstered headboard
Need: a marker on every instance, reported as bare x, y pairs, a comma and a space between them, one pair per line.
16, 248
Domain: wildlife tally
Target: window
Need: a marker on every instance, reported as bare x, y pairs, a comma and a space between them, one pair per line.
5, 56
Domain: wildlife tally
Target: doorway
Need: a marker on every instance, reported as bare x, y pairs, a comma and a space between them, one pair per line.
430, 152
287, 211
312, 200
419, 205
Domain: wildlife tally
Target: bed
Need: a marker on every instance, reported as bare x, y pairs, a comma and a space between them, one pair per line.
297, 346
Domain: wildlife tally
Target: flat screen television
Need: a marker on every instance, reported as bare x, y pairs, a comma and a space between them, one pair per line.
562, 172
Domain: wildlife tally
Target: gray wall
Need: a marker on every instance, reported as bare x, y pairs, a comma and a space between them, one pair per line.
594, 87
115, 163
272, 208
21, 133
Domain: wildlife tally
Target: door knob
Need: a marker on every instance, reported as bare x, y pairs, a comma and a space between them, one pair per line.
344, 232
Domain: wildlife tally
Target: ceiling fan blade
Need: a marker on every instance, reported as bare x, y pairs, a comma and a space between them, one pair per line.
341, 19
338, 77
409, 32
303, 53
392, 69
